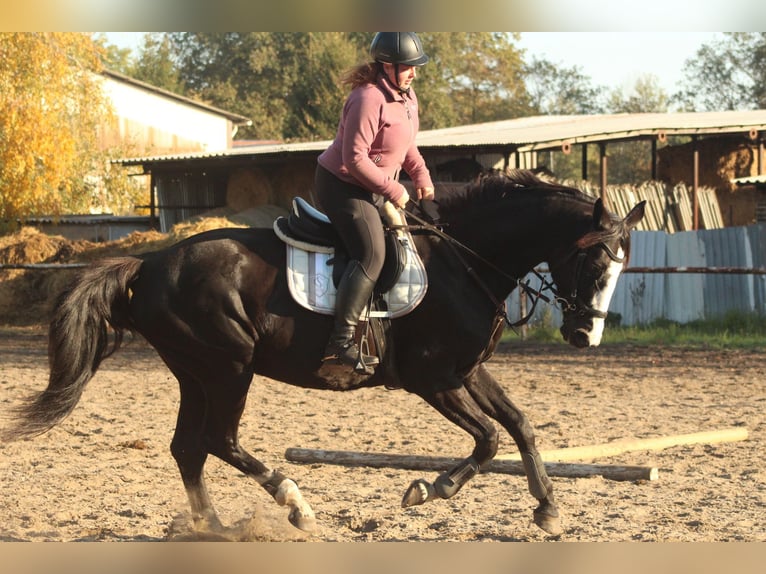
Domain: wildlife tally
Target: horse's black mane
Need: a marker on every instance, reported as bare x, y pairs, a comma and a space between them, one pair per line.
494, 186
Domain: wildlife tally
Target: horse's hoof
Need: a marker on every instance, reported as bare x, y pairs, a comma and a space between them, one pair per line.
303, 522
551, 523
419, 491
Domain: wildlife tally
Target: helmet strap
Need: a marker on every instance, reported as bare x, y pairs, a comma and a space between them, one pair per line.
396, 75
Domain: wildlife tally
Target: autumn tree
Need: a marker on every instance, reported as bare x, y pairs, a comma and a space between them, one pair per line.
51, 112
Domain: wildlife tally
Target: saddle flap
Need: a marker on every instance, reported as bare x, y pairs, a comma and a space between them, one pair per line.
310, 281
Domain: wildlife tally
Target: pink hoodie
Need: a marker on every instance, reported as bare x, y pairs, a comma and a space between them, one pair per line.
376, 139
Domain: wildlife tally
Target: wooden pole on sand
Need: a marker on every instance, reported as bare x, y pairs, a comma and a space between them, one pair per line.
594, 451
436, 463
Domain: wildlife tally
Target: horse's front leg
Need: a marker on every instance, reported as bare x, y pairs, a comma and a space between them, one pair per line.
490, 396
460, 408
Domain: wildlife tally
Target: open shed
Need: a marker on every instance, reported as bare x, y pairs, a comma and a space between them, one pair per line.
246, 177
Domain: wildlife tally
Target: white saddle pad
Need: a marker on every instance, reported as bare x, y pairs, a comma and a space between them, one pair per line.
309, 277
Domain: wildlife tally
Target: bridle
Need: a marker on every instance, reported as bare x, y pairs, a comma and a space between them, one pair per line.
572, 303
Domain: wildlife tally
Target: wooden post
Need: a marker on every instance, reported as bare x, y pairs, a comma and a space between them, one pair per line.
695, 184
603, 172
436, 463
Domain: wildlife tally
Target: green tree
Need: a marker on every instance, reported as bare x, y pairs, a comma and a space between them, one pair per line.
315, 105
155, 64
631, 162
246, 73
556, 90
288, 82
726, 74
628, 162
51, 110
114, 58
646, 96
472, 77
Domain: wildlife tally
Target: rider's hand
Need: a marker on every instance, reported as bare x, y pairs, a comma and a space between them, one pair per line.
425, 193
401, 203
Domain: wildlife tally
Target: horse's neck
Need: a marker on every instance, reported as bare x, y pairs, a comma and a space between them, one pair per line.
517, 238
527, 236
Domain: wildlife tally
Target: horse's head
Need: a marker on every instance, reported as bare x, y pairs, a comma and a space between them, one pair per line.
587, 274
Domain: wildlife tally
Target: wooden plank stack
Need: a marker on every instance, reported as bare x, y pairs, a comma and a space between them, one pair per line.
667, 209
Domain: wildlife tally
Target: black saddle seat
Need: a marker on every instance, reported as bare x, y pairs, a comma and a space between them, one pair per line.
309, 224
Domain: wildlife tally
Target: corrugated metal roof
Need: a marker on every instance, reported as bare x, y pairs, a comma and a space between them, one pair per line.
750, 180
540, 132
244, 151
533, 133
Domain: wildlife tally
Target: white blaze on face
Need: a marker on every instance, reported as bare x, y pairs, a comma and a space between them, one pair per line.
602, 298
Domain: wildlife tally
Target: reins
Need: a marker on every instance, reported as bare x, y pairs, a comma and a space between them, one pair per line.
457, 246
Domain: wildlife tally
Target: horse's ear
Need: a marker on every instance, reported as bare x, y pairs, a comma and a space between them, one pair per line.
635, 215
600, 216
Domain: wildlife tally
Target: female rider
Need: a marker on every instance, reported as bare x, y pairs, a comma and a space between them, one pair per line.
359, 171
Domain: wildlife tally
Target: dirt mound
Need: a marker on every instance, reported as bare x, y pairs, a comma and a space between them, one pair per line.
26, 294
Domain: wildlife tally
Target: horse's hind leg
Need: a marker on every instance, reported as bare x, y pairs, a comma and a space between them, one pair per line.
188, 450
492, 399
225, 408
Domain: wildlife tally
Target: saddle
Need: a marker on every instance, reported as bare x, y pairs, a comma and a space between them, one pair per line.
316, 260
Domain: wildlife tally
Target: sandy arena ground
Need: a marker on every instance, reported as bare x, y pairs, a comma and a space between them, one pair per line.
106, 473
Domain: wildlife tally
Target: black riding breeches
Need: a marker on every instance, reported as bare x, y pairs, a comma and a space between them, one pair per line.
354, 213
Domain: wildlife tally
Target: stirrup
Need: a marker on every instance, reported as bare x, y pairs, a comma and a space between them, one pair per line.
351, 356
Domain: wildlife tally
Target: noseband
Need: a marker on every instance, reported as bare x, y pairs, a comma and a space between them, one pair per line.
574, 303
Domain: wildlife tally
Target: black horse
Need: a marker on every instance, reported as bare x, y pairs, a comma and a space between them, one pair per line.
217, 309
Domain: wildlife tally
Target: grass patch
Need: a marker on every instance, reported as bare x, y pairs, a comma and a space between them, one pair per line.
734, 330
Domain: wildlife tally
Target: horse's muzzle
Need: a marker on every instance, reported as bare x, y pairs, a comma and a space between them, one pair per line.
579, 338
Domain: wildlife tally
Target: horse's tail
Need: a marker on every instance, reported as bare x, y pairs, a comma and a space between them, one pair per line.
78, 340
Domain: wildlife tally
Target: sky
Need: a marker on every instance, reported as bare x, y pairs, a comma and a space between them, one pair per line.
618, 59
610, 59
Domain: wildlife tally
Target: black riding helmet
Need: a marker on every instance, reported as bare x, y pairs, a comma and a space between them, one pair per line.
398, 48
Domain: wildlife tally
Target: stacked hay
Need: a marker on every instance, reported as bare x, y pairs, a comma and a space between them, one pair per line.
26, 295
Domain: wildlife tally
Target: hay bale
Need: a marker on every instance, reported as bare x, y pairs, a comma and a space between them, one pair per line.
248, 188
262, 216
720, 160
293, 180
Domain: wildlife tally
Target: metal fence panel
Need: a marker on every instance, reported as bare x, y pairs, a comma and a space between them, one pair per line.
757, 237
639, 297
728, 247
684, 293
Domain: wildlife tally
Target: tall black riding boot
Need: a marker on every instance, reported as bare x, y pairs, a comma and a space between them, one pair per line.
354, 291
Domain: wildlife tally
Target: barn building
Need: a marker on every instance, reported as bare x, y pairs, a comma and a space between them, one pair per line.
155, 121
